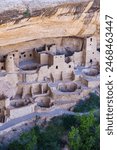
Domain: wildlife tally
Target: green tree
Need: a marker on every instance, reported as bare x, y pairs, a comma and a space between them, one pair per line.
86, 136
74, 139
15, 145
50, 138
28, 140
88, 129
69, 121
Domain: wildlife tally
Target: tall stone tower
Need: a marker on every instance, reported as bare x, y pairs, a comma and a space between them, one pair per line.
92, 55
9, 64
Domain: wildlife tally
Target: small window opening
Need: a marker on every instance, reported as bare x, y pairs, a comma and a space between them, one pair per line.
98, 49
69, 66
91, 61
56, 67
22, 53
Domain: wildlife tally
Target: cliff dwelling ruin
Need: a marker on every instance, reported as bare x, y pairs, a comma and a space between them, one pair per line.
49, 60
40, 77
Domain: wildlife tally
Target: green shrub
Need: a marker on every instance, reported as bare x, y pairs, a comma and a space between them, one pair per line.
50, 138
27, 141
69, 121
15, 145
89, 104
27, 13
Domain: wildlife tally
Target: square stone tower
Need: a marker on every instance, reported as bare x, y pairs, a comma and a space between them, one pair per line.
92, 55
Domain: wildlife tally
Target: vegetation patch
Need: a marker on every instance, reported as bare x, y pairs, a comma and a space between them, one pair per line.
75, 132
27, 14
89, 104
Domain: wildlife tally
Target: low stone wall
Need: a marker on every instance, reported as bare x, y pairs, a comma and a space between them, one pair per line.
70, 96
19, 112
93, 84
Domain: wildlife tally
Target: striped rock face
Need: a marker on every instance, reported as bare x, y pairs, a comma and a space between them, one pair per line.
23, 21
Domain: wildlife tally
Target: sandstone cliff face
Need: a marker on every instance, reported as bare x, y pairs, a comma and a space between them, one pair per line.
23, 21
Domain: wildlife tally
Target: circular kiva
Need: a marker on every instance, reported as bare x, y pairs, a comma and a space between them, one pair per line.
28, 68
43, 101
91, 71
67, 87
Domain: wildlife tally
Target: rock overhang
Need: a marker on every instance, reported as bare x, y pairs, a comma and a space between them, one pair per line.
44, 19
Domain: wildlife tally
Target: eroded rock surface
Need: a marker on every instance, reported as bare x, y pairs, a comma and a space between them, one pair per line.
23, 21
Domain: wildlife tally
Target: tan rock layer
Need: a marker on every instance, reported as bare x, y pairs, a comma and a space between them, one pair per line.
78, 19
